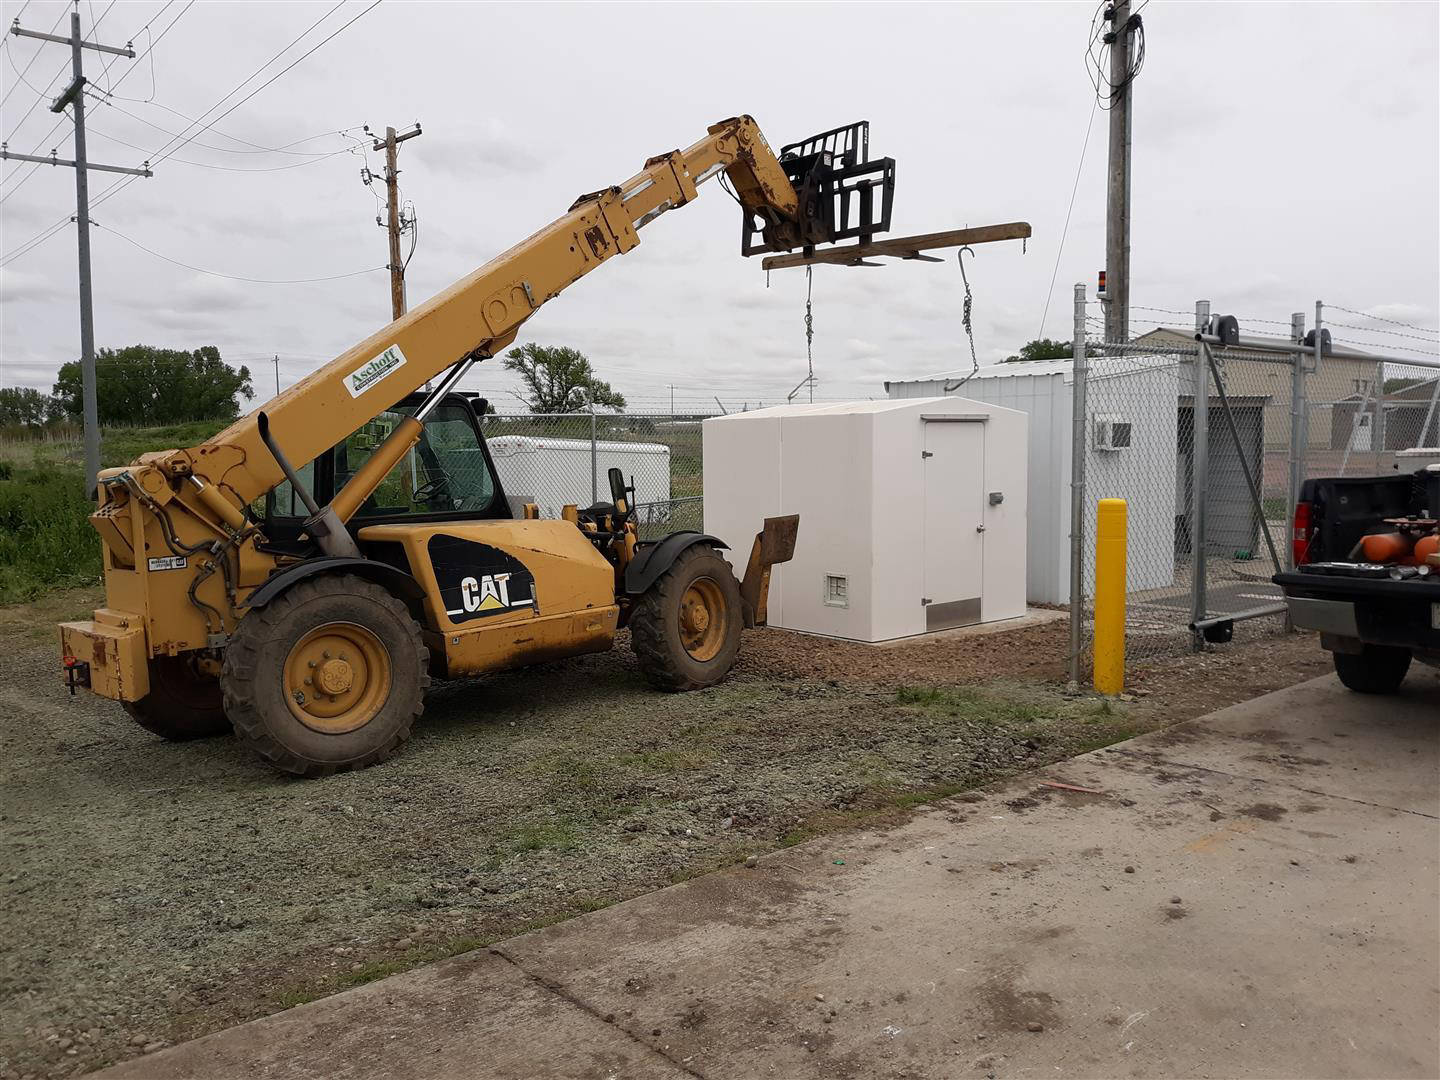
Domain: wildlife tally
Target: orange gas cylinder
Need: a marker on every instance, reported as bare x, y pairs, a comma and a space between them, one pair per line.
1426, 546
1386, 547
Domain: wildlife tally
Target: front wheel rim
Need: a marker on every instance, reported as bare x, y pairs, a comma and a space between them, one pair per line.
337, 678
704, 619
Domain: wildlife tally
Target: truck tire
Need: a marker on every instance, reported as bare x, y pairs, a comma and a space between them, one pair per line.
685, 628
1379, 669
327, 677
182, 704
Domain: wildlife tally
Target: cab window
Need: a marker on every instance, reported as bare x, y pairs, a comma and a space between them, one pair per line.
445, 472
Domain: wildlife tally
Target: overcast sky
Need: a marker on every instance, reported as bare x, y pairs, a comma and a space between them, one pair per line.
1283, 153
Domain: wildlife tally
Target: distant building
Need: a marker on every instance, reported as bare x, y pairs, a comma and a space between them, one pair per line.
1344, 377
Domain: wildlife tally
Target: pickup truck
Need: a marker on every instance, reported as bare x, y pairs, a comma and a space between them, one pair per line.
1374, 615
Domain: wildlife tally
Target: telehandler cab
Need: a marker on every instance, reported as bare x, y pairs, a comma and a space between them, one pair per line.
300, 576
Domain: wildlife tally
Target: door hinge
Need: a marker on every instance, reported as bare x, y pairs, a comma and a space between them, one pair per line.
925, 454
925, 600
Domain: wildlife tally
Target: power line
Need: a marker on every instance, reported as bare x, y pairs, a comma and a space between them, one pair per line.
234, 277
222, 168
124, 182
149, 51
20, 76
168, 150
257, 148
35, 241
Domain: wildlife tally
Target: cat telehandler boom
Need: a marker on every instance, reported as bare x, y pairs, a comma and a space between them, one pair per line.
300, 576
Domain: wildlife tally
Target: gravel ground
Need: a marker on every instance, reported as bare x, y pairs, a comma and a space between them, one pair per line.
152, 892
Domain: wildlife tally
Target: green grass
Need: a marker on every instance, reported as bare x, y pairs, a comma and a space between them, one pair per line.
987, 706
546, 836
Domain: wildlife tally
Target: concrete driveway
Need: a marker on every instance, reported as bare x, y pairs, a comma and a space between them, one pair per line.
1250, 894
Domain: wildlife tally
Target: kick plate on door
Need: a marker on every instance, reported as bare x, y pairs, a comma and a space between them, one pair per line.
955, 613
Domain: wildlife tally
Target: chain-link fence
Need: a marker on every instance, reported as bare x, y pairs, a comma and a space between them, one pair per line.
1209, 445
557, 459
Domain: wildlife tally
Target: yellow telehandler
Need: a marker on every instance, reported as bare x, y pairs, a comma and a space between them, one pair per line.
300, 576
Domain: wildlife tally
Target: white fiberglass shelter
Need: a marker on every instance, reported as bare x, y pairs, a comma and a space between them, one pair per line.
1132, 453
912, 513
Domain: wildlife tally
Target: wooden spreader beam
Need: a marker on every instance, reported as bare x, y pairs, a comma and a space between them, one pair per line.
904, 247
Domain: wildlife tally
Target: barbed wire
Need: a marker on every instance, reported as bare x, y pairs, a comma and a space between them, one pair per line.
1382, 318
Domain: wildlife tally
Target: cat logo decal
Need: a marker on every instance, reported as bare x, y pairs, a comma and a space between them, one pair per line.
477, 580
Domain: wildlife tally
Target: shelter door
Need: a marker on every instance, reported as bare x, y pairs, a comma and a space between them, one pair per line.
954, 540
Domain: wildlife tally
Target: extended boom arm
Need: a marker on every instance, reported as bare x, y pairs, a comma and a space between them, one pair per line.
481, 314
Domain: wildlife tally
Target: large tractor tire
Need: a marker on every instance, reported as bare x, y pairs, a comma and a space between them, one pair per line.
183, 703
326, 678
1379, 669
685, 629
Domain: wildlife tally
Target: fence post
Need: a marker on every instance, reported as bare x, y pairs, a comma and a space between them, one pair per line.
1299, 438
1078, 444
1299, 430
1199, 476
594, 459
1377, 431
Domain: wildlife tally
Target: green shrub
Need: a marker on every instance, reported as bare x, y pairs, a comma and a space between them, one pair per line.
46, 541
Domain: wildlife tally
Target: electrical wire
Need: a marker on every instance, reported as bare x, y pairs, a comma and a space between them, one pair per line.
1097, 52
35, 241
167, 151
1075, 187
35, 167
220, 168
20, 75
124, 182
233, 277
106, 99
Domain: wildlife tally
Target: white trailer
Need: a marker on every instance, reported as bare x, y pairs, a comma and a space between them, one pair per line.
554, 472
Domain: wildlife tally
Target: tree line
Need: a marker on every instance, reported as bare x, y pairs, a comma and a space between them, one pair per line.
146, 386
140, 385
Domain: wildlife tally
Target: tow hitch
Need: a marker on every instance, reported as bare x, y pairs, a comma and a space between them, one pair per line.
77, 673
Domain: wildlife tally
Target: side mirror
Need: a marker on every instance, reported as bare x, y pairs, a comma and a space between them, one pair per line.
618, 491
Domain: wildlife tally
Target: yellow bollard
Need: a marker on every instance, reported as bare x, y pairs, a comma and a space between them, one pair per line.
1111, 525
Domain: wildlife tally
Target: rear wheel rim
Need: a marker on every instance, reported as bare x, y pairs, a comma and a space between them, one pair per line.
337, 678
704, 619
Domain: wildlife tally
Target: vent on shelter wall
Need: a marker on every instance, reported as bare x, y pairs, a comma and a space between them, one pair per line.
837, 590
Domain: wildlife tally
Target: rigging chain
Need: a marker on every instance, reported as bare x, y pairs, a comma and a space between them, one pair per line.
965, 320
809, 332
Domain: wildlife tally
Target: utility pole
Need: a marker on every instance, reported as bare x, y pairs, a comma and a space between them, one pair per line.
394, 225
277, 374
1121, 39
74, 96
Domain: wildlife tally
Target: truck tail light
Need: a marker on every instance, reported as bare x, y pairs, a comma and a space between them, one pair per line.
1304, 531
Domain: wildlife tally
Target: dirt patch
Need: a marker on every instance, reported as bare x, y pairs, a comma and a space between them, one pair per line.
1006, 1007
1264, 811
152, 892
